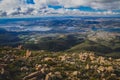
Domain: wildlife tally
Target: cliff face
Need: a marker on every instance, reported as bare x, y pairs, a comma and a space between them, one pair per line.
43, 65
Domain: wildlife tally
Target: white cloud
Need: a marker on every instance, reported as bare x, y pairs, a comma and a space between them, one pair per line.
20, 7
97, 4
11, 4
40, 3
72, 3
106, 4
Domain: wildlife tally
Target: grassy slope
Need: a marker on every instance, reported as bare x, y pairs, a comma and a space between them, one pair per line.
105, 49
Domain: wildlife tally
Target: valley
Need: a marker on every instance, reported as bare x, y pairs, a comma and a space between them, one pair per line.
60, 48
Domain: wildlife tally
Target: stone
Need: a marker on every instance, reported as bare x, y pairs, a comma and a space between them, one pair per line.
58, 74
75, 73
87, 67
27, 54
48, 59
49, 76
2, 71
109, 69
24, 68
38, 67
32, 75
101, 68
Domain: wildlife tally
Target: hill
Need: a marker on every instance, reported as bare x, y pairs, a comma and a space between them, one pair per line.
20, 64
102, 43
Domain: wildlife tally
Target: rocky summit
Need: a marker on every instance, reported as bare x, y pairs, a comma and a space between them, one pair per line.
21, 64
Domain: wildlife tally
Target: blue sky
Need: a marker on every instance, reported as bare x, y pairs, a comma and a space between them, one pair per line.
82, 8
30, 1
59, 7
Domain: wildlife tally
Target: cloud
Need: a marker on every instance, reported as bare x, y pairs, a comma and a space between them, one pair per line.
40, 3
11, 4
72, 3
41, 7
96, 4
106, 4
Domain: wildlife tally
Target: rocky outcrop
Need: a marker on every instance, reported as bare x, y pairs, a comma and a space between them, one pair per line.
27, 54
32, 75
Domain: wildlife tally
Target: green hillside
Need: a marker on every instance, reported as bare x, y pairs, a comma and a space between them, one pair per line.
98, 48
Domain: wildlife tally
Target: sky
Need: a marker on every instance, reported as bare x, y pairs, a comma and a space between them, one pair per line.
21, 8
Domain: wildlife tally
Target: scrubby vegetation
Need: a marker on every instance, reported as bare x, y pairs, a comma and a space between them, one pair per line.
59, 43
102, 43
59, 57
21, 64
60, 48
